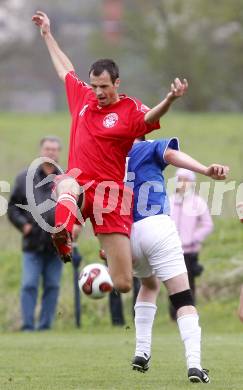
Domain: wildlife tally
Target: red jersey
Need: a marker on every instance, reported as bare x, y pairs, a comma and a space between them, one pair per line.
101, 137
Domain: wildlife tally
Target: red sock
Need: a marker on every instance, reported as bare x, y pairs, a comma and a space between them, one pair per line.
66, 211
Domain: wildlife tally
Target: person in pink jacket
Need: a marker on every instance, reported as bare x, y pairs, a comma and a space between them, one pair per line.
193, 221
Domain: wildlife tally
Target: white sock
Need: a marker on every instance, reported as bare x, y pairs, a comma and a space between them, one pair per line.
190, 332
144, 319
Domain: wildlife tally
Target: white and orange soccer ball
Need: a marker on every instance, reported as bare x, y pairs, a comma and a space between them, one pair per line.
95, 281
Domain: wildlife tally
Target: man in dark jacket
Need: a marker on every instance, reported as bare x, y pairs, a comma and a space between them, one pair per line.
39, 255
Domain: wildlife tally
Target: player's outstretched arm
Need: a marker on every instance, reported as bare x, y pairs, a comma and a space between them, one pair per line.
183, 160
177, 90
60, 61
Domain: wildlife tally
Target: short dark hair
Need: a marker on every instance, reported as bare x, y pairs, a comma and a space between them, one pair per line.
51, 138
107, 64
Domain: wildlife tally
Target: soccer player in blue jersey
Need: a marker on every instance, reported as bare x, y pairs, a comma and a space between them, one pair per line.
157, 251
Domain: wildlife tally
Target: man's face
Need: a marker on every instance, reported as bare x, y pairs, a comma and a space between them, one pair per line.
105, 90
50, 149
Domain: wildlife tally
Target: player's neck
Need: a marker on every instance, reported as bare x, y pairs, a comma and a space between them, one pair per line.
115, 100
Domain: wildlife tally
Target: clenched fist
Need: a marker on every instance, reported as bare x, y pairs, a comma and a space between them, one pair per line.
41, 20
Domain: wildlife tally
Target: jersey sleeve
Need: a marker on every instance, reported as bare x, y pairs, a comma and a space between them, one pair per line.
138, 125
160, 147
75, 90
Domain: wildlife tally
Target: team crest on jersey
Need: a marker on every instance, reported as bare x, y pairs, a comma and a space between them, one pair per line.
110, 120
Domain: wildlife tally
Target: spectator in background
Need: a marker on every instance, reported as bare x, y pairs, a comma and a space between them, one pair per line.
39, 255
193, 221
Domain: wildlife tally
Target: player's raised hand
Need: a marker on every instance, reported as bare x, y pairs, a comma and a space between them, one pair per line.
178, 88
217, 171
41, 20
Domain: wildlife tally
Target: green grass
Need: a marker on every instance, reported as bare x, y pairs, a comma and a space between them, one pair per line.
20, 136
100, 359
98, 356
218, 287
208, 137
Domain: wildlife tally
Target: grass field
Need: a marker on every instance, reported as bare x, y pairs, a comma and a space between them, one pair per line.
208, 137
98, 356
101, 360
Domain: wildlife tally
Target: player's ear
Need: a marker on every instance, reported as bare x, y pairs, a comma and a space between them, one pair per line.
117, 83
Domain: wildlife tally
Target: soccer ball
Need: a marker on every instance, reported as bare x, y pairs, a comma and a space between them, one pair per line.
95, 281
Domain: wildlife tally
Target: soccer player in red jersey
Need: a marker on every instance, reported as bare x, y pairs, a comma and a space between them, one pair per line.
104, 126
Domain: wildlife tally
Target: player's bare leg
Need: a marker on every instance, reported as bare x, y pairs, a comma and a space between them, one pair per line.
119, 259
177, 285
149, 290
67, 191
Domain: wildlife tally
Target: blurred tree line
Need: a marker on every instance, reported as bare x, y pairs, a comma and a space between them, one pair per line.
201, 40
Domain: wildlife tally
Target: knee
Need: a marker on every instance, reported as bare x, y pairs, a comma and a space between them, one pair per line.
29, 287
51, 282
51, 286
183, 300
68, 185
125, 288
29, 282
151, 284
123, 285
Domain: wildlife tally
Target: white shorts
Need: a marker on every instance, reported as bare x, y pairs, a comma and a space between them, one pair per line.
156, 248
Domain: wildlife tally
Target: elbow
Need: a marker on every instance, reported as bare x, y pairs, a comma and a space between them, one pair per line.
208, 230
207, 233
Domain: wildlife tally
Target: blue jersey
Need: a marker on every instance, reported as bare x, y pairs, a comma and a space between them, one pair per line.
145, 172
